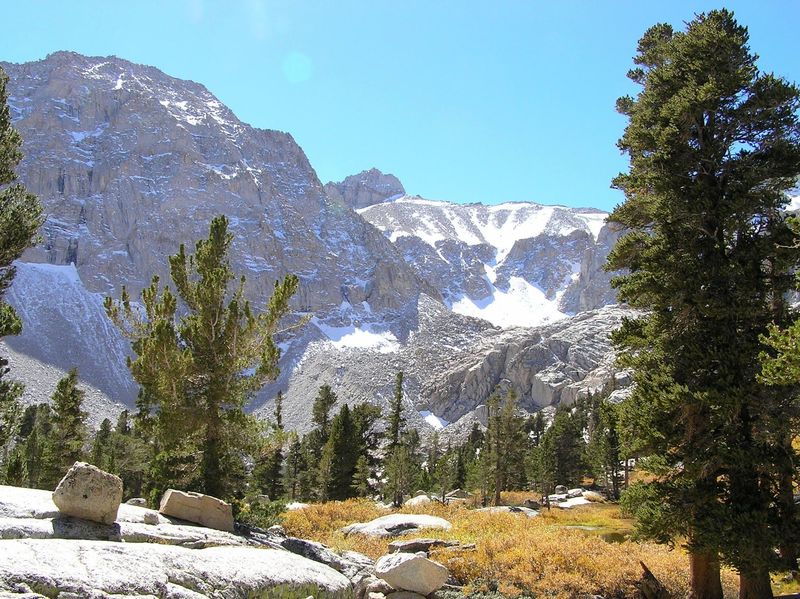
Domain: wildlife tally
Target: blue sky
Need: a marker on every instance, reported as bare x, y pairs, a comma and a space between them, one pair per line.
465, 101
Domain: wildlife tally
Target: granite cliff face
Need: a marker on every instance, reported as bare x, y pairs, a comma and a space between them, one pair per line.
129, 163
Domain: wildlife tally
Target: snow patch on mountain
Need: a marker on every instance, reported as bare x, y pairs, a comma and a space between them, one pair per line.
432, 419
522, 304
513, 264
363, 337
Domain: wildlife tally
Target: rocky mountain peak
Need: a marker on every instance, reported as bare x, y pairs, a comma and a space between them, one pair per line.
129, 163
365, 189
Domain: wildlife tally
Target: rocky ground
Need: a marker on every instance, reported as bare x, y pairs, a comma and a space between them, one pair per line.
46, 552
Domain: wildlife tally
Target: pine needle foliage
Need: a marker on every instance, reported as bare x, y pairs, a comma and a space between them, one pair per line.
714, 145
20, 219
201, 354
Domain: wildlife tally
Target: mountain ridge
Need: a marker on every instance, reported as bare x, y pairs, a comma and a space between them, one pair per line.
129, 163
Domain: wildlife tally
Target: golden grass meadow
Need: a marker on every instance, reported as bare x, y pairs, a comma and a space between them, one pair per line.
560, 554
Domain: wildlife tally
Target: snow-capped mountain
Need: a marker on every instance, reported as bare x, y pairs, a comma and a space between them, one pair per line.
129, 163
514, 264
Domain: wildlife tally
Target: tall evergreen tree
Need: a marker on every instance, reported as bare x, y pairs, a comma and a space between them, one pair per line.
361, 477
339, 457
396, 419
603, 450
268, 471
20, 219
320, 416
37, 443
295, 466
559, 457
190, 363
713, 144
400, 473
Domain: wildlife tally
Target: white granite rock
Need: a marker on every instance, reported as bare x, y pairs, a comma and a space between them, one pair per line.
411, 572
396, 524
89, 493
97, 568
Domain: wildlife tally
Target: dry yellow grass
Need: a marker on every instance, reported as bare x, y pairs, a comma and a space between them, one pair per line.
517, 555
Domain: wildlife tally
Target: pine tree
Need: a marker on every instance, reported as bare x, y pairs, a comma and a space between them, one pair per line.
295, 465
713, 144
603, 450
361, 478
559, 458
33, 448
128, 456
279, 411
368, 437
400, 473
20, 219
396, 419
268, 471
69, 427
267, 474
101, 447
320, 416
339, 457
190, 363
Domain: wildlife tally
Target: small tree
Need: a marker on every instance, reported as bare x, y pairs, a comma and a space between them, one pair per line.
101, 446
199, 367
279, 411
400, 473
69, 427
295, 466
339, 457
361, 485
396, 419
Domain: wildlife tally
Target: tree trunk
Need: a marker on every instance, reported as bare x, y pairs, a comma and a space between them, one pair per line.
704, 572
755, 585
787, 510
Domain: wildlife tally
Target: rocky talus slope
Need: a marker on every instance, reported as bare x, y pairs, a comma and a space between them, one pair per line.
452, 364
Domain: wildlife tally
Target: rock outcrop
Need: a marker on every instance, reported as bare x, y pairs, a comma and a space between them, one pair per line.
453, 364
44, 552
411, 572
89, 493
514, 264
196, 507
365, 189
415, 545
96, 568
396, 524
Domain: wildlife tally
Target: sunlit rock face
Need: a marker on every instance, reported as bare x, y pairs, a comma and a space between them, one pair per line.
365, 189
514, 264
129, 163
